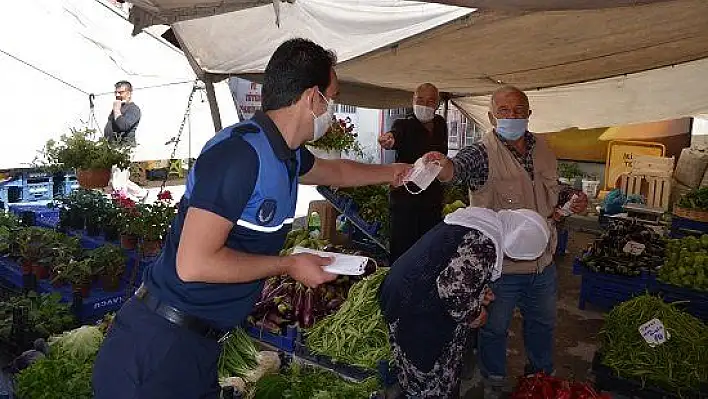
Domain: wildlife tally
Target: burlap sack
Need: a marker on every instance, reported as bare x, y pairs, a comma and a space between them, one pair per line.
678, 190
691, 167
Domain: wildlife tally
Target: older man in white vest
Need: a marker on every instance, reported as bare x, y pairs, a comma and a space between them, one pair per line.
511, 168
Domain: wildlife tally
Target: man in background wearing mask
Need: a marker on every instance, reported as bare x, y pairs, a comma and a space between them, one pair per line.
511, 168
424, 131
232, 222
120, 129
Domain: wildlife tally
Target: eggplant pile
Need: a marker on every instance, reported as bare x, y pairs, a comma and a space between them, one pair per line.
608, 254
285, 302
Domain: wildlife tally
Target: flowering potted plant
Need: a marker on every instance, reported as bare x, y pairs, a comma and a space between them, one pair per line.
155, 219
92, 158
340, 137
128, 214
110, 261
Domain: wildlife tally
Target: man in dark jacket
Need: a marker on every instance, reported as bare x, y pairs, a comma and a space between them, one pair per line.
411, 137
125, 116
121, 126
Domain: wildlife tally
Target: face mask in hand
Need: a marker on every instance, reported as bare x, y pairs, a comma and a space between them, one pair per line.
422, 175
324, 121
512, 129
423, 113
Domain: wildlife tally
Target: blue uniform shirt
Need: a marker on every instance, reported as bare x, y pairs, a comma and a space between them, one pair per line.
248, 175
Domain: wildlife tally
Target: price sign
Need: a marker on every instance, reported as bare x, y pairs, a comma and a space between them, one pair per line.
634, 248
654, 332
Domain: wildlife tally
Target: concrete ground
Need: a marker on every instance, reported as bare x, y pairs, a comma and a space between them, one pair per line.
576, 329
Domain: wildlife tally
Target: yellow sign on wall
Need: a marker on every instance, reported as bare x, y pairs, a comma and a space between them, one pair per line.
620, 155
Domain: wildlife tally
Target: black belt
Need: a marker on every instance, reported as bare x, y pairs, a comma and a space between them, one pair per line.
178, 317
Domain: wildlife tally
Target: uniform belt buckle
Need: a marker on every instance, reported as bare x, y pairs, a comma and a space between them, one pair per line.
224, 337
141, 292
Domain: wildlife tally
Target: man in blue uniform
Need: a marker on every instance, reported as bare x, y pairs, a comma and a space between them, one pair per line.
237, 209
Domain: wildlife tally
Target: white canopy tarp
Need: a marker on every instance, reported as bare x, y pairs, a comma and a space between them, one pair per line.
574, 53
152, 12
54, 53
656, 95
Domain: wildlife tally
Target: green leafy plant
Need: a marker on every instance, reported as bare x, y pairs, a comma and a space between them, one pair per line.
569, 170
339, 137
76, 272
56, 377
46, 315
696, 199
373, 204
108, 259
80, 150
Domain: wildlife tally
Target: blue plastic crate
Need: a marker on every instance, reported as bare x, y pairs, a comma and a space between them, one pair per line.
10, 272
682, 227
40, 211
349, 209
70, 183
96, 305
693, 301
285, 342
606, 290
38, 191
578, 266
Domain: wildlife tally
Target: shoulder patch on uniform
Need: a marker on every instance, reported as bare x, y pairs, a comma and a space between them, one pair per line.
246, 128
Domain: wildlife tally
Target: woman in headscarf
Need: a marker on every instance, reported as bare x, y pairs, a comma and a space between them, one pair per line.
435, 294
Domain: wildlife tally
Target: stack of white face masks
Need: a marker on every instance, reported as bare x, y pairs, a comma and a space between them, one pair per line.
422, 175
520, 234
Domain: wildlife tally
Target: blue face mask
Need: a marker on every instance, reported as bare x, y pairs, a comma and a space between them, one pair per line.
512, 129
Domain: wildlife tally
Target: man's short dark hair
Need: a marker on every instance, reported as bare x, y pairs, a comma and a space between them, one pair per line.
125, 84
296, 65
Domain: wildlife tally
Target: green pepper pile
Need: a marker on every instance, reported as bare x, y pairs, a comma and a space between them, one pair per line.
686, 263
680, 364
607, 255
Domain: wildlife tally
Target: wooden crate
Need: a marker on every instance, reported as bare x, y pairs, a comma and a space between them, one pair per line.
647, 165
655, 189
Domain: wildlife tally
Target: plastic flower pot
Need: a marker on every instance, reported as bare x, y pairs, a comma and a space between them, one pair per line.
128, 241
150, 248
82, 288
110, 283
93, 178
41, 272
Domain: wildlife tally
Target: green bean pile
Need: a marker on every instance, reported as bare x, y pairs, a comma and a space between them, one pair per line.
357, 334
680, 364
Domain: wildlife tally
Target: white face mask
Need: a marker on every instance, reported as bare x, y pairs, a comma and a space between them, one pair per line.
423, 113
323, 122
422, 175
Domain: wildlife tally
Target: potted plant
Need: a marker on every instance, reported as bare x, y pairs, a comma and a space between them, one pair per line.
78, 273
65, 249
91, 157
111, 223
155, 219
110, 260
128, 216
31, 241
340, 137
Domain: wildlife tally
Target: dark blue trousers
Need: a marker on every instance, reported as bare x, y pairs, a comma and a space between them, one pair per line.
145, 356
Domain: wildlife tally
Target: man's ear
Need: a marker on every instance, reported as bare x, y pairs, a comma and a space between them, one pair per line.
530, 112
492, 120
